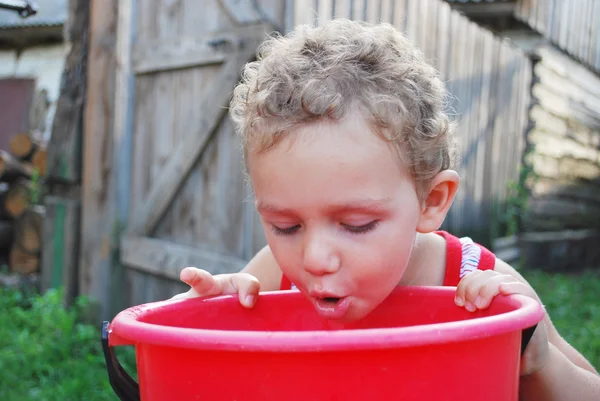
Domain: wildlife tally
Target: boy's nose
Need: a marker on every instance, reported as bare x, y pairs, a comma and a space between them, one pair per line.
319, 258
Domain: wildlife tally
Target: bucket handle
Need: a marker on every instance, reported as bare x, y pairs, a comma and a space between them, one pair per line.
123, 385
526, 335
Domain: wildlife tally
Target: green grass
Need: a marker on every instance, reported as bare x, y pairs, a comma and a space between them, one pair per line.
48, 354
573, 303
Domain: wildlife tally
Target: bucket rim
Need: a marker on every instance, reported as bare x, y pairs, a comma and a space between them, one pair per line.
126, 329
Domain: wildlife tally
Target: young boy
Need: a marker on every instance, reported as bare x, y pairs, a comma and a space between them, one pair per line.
349, 153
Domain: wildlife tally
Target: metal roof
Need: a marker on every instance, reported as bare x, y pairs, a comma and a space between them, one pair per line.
49, 13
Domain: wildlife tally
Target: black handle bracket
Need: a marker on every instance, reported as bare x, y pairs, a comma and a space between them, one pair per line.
526, 337
123, 385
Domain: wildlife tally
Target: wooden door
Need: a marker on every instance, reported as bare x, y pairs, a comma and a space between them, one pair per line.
188, 202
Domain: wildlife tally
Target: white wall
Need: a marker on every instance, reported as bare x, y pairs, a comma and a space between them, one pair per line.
44, 64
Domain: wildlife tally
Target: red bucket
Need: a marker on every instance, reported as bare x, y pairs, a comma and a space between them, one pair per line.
417, 345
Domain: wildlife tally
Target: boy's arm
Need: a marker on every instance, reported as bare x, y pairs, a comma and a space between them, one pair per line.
554, 336
560, 380
567, 375
264, 267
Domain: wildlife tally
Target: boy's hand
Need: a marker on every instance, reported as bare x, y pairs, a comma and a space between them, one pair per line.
476, 291
204, 284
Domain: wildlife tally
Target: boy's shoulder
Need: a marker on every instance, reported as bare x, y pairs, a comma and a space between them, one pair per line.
463, 256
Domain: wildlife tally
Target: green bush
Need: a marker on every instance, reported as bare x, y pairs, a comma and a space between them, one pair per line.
47, 353
572, 303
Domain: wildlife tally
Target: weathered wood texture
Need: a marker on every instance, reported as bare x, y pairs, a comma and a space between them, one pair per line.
163, 184
489, 80
573, 26
565, 142
60, 255
64, 148
188, 199
564, 250
62, 228
99, 219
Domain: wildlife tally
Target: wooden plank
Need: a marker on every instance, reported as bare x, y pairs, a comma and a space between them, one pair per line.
424, 29
564, 25
509, 255
560, 105
492, 106
500, 124
561, 187
324, 8
167, 259
566, 68
573, 30
513, 165
412, 21
64, 150
242, 11
453, 73
505, 242
304, 14
482, 192
190, 147
595, 59
550, 167
60, 248
576, 213
342, 9
548, 122
525, 101
400, 15
372, 11
443, 38
554, 28
387, 11
359, 10
186, 52
463, 57
214, 195
105, 171
559, 147
584, 30
473, 218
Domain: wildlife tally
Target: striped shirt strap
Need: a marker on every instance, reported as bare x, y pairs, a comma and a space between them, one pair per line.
464, 256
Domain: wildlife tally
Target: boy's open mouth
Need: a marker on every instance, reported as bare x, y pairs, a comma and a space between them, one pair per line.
331, 307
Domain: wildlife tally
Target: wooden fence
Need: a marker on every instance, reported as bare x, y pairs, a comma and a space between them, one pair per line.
490, 81
572, 25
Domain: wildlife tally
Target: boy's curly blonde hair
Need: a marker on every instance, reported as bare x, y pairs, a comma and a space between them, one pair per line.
323, 72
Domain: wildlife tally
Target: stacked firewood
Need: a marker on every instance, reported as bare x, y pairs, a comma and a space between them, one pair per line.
22, 169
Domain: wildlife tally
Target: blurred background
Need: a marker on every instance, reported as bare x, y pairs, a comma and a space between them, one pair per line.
119, 165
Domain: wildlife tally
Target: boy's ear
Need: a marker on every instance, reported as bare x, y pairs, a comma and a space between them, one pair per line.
438, 201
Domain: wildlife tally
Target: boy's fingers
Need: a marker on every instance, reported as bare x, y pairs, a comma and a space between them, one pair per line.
490, 289
477, 289
247, 286
467, 283
202, 282
517, 287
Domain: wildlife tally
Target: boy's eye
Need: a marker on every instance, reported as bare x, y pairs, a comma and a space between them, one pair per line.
286, 230
361, 229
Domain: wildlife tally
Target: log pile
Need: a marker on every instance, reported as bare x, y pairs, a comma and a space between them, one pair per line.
561, 222
22, 170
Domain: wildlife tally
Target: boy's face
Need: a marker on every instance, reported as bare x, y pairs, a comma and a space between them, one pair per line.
339, 214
